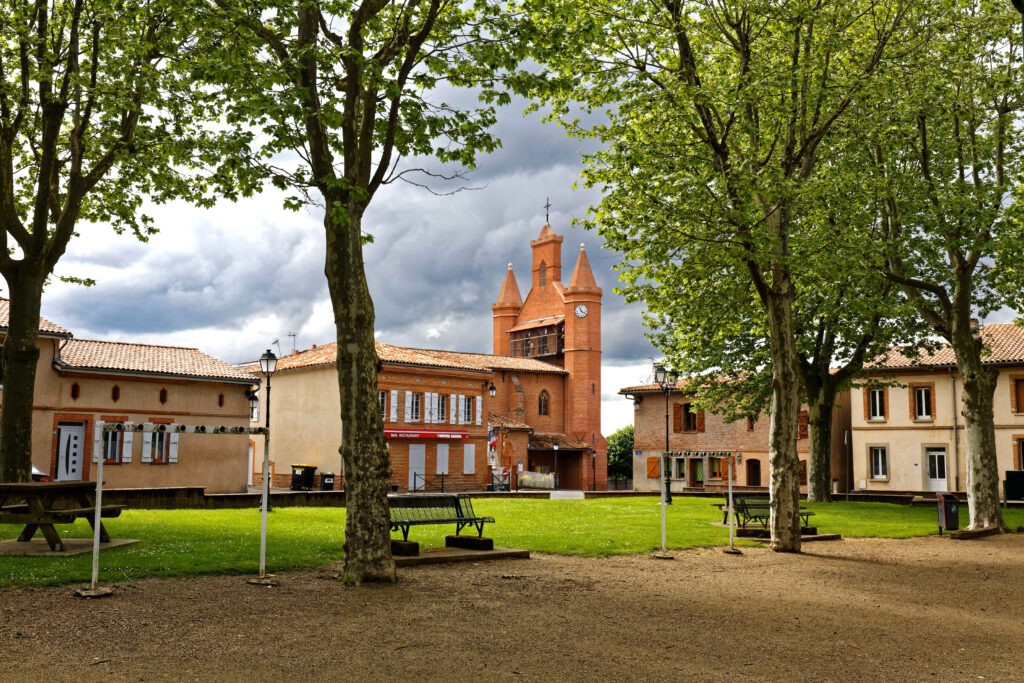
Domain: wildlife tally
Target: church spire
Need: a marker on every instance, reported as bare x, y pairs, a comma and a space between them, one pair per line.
509, 294
582, 276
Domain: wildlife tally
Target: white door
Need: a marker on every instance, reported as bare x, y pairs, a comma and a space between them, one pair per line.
935, 469
70, 442
417, 465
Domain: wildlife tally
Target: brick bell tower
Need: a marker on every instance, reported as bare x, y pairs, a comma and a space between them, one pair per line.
559, 325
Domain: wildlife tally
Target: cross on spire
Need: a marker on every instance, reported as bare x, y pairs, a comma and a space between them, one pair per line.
547, 210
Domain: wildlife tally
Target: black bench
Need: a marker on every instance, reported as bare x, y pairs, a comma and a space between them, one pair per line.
409, 510
759, 510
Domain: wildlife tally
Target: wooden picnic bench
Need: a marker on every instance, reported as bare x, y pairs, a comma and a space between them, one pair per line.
39, 505
758, 510
409, 510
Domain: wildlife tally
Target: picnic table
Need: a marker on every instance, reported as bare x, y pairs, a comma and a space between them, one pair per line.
39, 505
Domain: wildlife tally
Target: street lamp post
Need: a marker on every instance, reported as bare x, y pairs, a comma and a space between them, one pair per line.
666, 379
268, 364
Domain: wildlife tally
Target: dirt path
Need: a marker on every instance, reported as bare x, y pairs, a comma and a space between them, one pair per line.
926, 608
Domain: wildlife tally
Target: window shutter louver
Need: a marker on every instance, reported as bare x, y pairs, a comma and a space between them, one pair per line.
97, 442
394, 405
408, 406
442, 458
147, 447
677, 417
479, 409
172, 455
700, 421
469, 458
126, 446
452, 408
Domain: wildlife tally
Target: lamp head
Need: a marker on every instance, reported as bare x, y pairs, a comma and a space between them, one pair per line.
659, 373
492, 390
268, 362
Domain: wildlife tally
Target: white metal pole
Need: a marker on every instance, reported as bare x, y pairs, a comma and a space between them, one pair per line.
732, 516
663, 476
263, 508
96, 520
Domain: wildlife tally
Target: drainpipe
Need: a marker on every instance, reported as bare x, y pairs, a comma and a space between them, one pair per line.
956, 437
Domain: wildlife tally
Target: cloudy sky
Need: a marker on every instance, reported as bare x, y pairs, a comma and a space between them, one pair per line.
233, 279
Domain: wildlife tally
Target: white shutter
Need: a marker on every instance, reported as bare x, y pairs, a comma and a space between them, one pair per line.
126, 447
408, 406
97, 442
442, 458
147, 447
479, 409
172, 455
428, 410
462, 410
394, 405
469, 458
435, 407
452, 407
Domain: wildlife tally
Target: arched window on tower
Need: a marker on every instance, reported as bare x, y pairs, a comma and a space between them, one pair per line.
542, 403
543, 276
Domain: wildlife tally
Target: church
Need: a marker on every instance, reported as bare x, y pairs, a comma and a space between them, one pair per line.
462, 420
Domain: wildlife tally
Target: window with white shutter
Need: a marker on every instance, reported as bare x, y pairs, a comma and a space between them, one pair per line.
442, 408
479, 409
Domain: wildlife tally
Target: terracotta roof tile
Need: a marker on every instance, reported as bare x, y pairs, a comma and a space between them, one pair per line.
538, 440
45, 326
87, 354
506, 423
488, 361
1004, 344
539, 322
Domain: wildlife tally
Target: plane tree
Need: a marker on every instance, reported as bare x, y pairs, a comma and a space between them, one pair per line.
98, 113
713, 116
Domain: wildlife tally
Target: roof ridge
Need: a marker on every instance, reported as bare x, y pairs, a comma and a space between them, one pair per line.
154, 346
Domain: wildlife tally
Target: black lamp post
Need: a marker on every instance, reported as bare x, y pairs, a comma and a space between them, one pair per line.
666, 379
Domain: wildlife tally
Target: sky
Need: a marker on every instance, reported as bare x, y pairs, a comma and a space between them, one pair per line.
232, 279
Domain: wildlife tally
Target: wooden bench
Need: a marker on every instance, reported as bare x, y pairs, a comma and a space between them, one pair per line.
759, 510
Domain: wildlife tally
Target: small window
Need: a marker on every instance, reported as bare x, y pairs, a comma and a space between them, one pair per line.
254, 409
113, 443
689, 418
382, 398
467, 410
75, 390
160, 446
220, 400
415, 410
922, 403
115, 394
542, 277
442, 408
163, 395
750, 423
1018, 390
876, 404
879, 463
542, 403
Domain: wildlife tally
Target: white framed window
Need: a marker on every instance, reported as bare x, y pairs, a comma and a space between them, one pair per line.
442, 408
382, 398
922, 403
416, 407
467, 409
112, 446
876, 404
879, 462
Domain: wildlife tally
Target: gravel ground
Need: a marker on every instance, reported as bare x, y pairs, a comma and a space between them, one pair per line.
861, 609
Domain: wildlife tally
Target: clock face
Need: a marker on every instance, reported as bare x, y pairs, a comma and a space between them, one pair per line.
581, 311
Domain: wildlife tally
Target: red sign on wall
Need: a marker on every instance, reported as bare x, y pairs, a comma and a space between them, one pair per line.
407, 434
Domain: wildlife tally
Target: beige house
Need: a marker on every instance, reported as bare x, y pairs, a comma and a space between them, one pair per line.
908, 433
80, 383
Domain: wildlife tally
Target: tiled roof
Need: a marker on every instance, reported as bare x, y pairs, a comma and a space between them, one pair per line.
549, 440
487, 361
539, 322
45, 326
506, 423
431, 358
1004, 344
87, 354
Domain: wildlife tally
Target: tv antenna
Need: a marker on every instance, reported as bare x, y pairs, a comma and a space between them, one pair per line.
292, 335
278, 346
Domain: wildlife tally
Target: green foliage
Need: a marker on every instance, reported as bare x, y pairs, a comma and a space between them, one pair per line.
620, 453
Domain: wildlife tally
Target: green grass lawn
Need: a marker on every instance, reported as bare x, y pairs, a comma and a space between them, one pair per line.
190, 542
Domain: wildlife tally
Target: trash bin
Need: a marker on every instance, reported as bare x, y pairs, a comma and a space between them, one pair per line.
949, 512
327, 481
302, 477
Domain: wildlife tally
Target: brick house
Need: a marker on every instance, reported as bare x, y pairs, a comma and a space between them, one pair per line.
545, 415
702, 446
908, 433
80, 382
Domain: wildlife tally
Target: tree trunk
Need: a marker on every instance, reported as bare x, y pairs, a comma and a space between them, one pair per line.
363, 450
784, 465
20, 358
820, 407
982, 468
